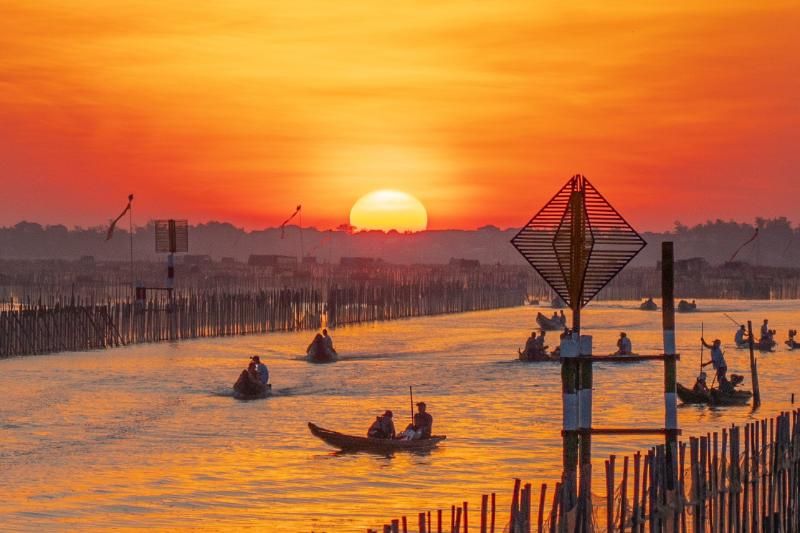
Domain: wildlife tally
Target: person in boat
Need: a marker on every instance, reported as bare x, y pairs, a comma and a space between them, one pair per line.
421, 426
766, 333
382, 427
327, 342
316, 342
741, 337
530, 346
624, 346
717, 359
555, 317
556, 353
791, 343
423, 422
261, 370
249, 381
539, 347
700, 386
562, 318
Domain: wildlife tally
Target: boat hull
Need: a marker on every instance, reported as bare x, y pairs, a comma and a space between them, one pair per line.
250, 393
715, 397
548, 324
317, 354
367, 444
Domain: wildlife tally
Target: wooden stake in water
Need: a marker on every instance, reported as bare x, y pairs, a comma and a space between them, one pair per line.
411, 395
753, 367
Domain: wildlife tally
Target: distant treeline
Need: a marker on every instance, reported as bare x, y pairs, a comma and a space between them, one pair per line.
777, 243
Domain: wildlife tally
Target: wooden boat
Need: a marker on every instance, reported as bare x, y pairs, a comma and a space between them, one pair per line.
764, 345
367, 444
649, 305
251, 392
792, 344
686, 307
537, 358
715, 397
318, 354
548, 324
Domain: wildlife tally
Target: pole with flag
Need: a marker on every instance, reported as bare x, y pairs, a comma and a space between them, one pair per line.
128, 209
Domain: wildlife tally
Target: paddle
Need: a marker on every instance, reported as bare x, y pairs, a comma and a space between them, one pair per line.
731, 319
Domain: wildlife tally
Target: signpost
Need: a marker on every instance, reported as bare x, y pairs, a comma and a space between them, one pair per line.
577, 242
172, 236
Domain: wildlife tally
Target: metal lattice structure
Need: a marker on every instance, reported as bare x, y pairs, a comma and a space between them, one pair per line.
578, 242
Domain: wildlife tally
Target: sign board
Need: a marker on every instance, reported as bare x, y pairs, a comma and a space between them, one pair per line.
578, 242
172, 236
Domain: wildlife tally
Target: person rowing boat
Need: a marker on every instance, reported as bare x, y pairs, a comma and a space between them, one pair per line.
422, 425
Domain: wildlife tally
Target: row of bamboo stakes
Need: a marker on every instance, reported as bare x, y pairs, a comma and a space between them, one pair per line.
78, 325
742, 479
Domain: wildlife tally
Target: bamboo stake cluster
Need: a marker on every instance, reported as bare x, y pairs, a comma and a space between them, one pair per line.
743, 479
76, 324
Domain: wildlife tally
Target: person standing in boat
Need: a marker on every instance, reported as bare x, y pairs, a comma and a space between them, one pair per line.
741, 337
717, 359
624, 346
563, 318
383, 427
261, 369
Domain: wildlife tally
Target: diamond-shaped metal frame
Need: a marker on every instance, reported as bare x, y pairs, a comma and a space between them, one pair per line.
578, 211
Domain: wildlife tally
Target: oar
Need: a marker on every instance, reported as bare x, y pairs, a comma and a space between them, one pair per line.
731, 319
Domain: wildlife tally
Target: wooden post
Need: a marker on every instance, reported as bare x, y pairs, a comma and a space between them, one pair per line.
577, 438
670, 372
753, 367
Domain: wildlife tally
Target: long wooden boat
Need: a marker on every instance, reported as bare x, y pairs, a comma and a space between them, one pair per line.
318, 354
548, 324
368, 444
715, 397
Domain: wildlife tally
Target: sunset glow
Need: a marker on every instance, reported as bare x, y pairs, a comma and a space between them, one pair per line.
239, 111
389, 210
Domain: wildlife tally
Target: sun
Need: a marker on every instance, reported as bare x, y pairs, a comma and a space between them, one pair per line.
388, 210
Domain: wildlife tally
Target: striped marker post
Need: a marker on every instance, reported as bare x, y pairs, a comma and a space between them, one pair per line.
670, 359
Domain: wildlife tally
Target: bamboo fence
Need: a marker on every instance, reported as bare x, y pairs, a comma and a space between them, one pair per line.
742, 479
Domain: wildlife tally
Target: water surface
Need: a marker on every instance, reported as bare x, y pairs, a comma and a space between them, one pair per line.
149, 436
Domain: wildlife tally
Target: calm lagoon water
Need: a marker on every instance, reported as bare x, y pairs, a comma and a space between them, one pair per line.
148, 436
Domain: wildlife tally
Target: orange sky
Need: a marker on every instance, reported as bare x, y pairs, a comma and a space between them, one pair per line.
240, 110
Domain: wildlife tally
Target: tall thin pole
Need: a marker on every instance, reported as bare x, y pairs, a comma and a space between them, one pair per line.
670, 362
753, 367
300, 214
130, 235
